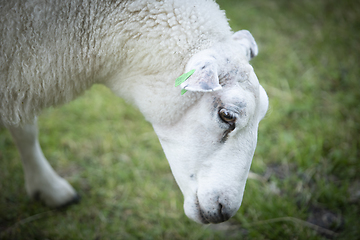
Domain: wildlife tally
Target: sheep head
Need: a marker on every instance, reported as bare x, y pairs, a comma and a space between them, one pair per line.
210, 149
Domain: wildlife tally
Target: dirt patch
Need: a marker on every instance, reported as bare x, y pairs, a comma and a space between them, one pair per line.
326, 219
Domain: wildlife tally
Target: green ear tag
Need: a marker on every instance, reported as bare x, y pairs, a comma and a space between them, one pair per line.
183, 91
182, 79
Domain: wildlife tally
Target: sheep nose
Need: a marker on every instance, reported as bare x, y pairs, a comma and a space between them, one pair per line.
218, 214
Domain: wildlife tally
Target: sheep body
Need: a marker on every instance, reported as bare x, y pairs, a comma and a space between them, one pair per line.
51, 51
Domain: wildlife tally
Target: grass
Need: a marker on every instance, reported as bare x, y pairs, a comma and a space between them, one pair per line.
305, 182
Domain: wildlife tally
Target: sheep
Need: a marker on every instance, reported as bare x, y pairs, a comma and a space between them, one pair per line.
51, 51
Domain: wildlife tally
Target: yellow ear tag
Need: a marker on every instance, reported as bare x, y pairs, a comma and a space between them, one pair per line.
182, 79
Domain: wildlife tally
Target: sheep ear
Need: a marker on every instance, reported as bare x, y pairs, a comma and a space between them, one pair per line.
248, 42
204, 79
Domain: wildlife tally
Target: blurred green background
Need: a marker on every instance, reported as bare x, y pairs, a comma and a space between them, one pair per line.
305, 181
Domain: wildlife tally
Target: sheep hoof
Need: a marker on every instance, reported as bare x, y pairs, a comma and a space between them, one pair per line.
76, 199
55, 191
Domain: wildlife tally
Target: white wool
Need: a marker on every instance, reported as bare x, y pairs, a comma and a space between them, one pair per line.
51, 51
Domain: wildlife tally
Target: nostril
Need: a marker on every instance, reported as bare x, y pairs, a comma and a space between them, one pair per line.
221, 212
224, 213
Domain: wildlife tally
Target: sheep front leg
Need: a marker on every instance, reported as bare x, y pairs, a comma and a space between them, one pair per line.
41, 181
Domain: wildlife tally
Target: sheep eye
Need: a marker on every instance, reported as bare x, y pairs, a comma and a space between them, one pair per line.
227, 116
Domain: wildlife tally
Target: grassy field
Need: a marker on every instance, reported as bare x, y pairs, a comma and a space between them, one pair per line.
305, 181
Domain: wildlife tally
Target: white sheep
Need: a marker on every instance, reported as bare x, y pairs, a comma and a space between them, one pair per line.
51, 51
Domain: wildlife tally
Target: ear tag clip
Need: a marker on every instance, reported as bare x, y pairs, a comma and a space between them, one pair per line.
182, 79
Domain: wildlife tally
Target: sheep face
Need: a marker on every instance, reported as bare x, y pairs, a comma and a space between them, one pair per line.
210, 148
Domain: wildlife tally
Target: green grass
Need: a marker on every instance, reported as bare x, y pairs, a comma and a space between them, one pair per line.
306, 166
